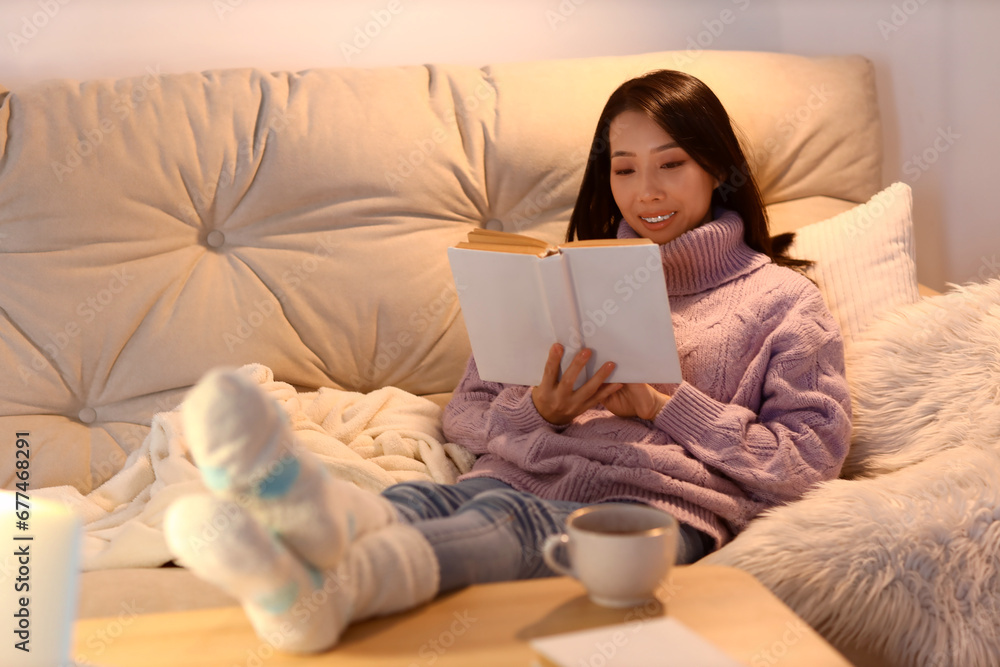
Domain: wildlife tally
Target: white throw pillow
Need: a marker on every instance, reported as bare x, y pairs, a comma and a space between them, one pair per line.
864, 259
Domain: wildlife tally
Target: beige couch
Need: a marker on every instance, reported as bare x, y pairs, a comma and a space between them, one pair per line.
159, 226
155, 227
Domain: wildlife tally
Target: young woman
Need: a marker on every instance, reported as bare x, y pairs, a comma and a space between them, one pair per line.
763, 412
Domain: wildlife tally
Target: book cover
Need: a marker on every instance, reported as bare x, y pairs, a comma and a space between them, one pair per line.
520, 295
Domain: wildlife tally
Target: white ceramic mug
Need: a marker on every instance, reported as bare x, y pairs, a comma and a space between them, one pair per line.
620, 552
39, 562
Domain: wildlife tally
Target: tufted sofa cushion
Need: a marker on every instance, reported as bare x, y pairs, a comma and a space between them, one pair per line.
154, 227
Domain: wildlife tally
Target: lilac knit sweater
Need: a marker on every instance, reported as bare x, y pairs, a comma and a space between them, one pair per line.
763, 412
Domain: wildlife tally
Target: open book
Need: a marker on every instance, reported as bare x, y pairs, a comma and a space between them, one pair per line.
519, 295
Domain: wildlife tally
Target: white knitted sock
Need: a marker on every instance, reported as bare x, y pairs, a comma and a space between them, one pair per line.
222, 544
389, 571
241, 441
291, 605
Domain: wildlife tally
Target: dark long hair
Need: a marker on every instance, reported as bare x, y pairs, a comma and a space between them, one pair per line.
694, 117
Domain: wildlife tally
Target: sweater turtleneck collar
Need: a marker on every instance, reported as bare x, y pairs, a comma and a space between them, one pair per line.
705, 257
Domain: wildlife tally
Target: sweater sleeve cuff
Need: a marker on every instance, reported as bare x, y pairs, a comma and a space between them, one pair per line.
688, 414
524, 416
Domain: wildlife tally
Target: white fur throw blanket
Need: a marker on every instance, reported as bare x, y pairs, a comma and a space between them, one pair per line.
902, 562
374, 440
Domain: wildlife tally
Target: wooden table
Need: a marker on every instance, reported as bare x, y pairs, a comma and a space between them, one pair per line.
478, 626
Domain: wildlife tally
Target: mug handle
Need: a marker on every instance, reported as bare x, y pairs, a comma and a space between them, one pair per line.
553, 542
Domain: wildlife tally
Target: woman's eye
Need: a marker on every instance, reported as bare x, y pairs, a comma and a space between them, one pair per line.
673, 165
622, 172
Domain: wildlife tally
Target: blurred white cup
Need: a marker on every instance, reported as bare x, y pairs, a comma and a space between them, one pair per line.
39, 580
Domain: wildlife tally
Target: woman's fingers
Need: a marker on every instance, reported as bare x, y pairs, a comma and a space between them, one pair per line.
550, 375
601, 376
579, 362
556, 397
609, 389
604, 392
592, 386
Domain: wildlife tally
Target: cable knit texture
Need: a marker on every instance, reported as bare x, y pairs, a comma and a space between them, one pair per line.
763, 412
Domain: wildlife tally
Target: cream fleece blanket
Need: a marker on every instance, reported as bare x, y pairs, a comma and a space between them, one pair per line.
374, 440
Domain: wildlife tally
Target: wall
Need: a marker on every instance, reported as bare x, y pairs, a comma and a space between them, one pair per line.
938, 65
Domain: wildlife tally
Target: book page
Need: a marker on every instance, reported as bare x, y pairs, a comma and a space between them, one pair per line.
624, 311
503, 247
486, 237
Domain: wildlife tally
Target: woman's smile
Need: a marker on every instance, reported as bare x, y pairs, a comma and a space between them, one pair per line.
654, 221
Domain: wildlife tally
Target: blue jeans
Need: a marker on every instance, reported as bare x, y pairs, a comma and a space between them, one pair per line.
483, 530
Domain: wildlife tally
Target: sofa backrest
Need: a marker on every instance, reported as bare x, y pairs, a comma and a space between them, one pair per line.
154, 227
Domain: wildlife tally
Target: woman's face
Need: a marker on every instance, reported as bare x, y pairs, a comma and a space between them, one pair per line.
661, 191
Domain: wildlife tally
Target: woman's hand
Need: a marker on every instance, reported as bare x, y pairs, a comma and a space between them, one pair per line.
636, 399
556, 400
